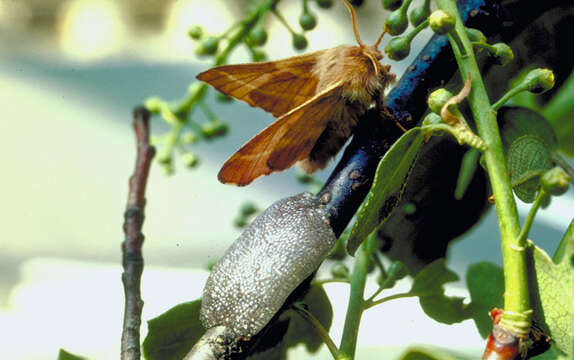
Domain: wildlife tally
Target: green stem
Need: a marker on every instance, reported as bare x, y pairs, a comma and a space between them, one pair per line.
356, 300
327, 281
323, 334
516, 296
370, 304
509, 94
530, 218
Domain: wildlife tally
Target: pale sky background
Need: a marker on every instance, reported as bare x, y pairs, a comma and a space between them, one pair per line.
67, 150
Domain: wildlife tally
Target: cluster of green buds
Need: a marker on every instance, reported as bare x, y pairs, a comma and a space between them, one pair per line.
207, 44
246, 212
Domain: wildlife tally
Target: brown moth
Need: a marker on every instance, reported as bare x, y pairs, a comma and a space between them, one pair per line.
317, 99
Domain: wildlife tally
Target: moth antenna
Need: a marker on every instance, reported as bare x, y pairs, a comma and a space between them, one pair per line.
376, 45
354, 20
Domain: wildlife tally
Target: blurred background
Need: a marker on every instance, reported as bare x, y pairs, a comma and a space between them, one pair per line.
70, 73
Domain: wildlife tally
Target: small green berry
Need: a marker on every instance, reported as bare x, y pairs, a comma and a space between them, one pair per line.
154, 104
257, 36
221, 97
437, 99
502, 53
165, 158
258, 56
304, 178
431, 119
211, 264
240, 222
418, 15
214, 128
397, 22
195, 32
190, 160
441, 22
391, 4
248, 209
299, 41
168, 169
208, 46
475, 35
325, 4
539, 80
398, 48
189, 137
307, 21
555, 181
340, 271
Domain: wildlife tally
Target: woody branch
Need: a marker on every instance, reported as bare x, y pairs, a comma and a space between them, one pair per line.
132, 259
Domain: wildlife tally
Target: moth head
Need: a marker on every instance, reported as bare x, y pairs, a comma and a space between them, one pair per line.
371, 50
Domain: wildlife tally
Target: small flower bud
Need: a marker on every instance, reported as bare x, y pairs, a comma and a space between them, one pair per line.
539, 80
299, 41
221, 97
441, 22
240, 222
154, 104
398, 48
437, 99
165, 158
397, 22
555, 181
391, 4
502, 53
325, 4
168, 169
208, 46
475, 35
190, 160
195, 32
258, 56
248, 209
214, 128
419, 14
189, 137
257, 36
303, 178
307, 21
340, 271
432, 119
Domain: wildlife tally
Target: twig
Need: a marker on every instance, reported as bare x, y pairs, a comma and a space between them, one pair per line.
132, 259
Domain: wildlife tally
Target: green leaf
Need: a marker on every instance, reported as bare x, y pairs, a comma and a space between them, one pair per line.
388, 184
430, 280
552, 354
516, 121
172, 334
431, 353
552, 291
486, 286
528, 159
428, 286
299, 330
64, 355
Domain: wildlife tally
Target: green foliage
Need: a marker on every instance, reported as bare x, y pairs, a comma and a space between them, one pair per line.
528, 159
553, 290
431, 353
64, 355
428, 286
172, 334
388, 184
486, 286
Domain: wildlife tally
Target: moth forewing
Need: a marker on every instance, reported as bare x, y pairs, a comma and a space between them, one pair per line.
286, 141
318, 99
